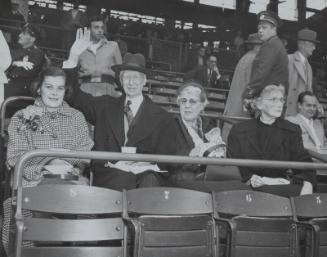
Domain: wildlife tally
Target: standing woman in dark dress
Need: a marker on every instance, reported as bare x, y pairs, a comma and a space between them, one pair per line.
269, 137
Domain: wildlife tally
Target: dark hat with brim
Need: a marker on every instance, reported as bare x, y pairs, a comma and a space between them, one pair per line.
270, 17
253, 39
307, 35
32, 30
133, 62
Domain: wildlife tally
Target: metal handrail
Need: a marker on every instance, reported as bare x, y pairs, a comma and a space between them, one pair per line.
100, 155
3, 110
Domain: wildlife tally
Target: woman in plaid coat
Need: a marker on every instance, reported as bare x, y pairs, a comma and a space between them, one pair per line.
50, 123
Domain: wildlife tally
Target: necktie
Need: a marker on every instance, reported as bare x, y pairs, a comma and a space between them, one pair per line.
128, 112
306, 65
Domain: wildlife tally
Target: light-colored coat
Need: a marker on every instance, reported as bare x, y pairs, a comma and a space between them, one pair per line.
234, 103
299, 81
5, 58
307, 136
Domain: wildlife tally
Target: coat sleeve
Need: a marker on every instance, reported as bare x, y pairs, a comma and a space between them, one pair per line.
299, 154
82, 141
167, 141
5, 56
234, 151
260, 71
83, 102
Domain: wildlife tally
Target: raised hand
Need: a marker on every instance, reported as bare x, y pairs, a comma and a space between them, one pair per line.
82, 42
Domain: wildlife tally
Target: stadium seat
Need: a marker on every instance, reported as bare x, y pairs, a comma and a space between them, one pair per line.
171, 222
311, 212
70, 235
256, 224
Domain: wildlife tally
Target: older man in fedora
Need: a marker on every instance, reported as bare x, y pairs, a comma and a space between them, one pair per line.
130, 123
300, 72
270, 65
242, 73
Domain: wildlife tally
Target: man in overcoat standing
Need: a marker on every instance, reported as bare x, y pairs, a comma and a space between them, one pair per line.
270, 67
300, 72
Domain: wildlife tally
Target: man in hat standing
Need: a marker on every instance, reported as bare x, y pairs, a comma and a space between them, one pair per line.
130, 123
241, 78
300, 72
271, 64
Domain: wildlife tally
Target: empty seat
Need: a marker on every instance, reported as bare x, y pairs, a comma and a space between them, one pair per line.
256, 224
171, 222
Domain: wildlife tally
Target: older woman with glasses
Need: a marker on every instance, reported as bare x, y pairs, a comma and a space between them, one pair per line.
196, 136
269, 137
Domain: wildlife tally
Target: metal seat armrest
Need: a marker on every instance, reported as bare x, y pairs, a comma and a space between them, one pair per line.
315, 235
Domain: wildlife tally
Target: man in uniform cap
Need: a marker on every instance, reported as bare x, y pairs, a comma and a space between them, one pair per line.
300, 72
27, 62
131, 122
270, 67
242, 73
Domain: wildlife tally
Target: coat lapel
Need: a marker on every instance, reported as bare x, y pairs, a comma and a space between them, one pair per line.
300, 67
185, 133
115, 119
306, 127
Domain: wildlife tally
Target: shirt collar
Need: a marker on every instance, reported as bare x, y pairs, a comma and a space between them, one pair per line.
309, 121
135, 103
302, 58
64, 109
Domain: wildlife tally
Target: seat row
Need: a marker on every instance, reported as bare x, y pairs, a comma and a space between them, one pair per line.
71, 220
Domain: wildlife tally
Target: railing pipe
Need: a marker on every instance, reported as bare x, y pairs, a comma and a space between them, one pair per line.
97, 155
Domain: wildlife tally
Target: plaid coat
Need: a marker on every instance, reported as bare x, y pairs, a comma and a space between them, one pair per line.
64, 129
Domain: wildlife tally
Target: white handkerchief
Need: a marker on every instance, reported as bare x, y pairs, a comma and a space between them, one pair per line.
135, 167
275, 181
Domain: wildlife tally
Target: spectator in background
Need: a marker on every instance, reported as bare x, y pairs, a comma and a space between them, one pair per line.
313, 134
238, 43
5, 62
95, 73
271, 63
27, 62
241, 78
300, 72
207, 75
71, 21
269, 137
13, 19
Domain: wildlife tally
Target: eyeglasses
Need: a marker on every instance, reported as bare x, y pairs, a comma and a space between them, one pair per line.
275, 100
191, 101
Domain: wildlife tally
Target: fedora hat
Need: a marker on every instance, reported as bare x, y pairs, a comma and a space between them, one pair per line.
253, 39
307, 35
270, 17
134, 62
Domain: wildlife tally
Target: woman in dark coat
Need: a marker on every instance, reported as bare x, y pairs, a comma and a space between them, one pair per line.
269, 137
196, 136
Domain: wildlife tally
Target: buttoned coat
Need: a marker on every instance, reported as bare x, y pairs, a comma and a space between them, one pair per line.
285, 144
307, 136
152, 131
300, 80
270, 66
